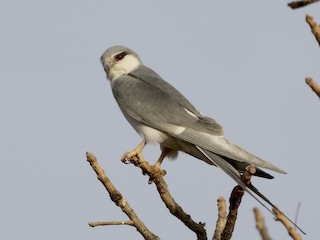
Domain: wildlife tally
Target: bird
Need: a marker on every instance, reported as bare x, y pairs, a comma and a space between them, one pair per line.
160, 114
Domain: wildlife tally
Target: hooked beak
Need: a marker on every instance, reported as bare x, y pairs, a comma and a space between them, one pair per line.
107, 64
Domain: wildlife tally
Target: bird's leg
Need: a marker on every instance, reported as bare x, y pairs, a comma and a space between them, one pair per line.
156, 167
135, 152
164, 153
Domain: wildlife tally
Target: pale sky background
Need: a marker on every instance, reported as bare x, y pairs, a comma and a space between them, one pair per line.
240, 62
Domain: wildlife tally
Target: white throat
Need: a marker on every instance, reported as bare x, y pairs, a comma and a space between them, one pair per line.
124, 66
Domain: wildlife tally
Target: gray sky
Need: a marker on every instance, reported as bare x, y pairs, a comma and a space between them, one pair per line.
240, 62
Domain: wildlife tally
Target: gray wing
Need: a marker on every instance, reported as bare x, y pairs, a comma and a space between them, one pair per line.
147, 98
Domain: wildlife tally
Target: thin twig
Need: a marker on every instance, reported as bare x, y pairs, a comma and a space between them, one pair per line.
156, 176
299, 4
261, 225
297, 213
222, 218
291, 230
315, 28
235, 200
313, 85
96, 224
119, 200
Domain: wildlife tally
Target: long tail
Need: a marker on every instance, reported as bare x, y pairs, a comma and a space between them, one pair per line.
235, 175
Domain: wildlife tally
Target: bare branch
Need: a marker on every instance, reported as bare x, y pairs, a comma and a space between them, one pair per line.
313, 85
299, 4
291, 230
96, 224
261, 225
156, 176
222, 218
235, 200
119, 200
315, 28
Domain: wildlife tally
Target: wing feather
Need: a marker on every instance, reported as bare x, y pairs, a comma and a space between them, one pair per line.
149, 100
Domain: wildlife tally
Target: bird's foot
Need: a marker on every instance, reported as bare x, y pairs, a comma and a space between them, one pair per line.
157, 172
126, 158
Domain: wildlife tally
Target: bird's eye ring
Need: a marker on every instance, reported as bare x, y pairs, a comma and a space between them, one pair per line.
120, 56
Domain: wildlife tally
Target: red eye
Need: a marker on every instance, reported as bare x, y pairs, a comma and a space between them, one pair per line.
119, 56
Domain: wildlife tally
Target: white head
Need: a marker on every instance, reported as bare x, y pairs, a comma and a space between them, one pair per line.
118, 61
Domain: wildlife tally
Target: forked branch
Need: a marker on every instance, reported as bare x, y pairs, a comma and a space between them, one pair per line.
120, 201
156, 176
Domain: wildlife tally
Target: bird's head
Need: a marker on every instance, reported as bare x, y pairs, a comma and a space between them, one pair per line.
118, 61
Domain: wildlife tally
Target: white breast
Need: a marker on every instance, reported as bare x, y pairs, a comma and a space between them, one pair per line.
151, 135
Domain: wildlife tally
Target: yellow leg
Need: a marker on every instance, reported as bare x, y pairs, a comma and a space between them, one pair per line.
134, 152
156, 167
164, 153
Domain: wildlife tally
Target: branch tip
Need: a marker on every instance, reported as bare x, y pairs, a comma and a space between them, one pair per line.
313, 85
315, 28
286, 223
299, 4
96, 224
261, 225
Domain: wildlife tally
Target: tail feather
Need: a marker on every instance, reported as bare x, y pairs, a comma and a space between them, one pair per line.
235, 175
241, 167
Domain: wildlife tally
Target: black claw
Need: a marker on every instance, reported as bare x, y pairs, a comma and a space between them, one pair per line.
126, 160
